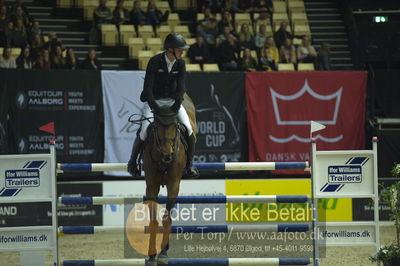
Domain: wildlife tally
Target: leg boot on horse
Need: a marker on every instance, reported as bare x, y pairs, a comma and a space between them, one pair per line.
133, 167
191, 170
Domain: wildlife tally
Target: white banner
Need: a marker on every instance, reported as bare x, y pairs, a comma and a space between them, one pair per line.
121, 93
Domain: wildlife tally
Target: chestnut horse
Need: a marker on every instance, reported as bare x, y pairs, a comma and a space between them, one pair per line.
164, 159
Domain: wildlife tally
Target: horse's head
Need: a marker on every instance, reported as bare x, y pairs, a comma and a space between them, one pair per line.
167, 134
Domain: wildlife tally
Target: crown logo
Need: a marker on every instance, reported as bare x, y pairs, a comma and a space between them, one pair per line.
319, 102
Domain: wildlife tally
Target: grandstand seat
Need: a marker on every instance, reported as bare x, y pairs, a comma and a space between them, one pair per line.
154, 44
64, 3
296, 41
109, 34
111, 4
128, 4
145, 31
279, 7
15, 52
298, 16
190, 41
173, 19
144, 57
163, 6
297, 9
193, 67
183, 30
302, 30
135, 45
211, 67
305, 67
163, 31
182, 4
126, 32
88, 8
295, 4
285, 67
241, 18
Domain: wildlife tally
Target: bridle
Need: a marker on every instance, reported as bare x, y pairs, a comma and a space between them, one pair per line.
162, 164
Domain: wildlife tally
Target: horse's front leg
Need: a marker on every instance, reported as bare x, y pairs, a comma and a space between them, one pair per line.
151, 195
173, 191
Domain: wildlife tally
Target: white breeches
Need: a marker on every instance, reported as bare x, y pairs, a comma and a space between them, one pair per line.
182, 117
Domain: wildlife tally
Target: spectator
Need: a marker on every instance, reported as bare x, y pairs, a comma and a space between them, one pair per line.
138, 17
287, 52
24, 60
19, 35
57, 59
216, 6
224, 36
267, 63
261, 37
16, 5
8, 34
263, 6
273, 50
43, 61
19, 14
35, 29
240, 6
102, 14
306, 52
120, 14
282, 34
199, 52
246, 37
247, 62
263, 18
3, 17
226, 21
53, 42
71, 61
37, 46
3, 25
91, 62
154, 15
6, 61
207, 27
227, 53
323, 59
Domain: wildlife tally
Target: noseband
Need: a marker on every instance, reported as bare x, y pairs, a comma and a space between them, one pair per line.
162, 164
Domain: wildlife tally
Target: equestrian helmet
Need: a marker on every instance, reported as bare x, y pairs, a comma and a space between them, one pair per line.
175, 40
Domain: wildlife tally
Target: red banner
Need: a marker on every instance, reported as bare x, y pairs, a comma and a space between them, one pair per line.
280, 107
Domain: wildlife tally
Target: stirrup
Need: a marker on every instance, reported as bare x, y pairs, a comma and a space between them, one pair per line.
191, 171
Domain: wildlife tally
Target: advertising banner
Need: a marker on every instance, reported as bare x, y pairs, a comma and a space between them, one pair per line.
121, 99
280, 107
67, 103
220, 113
76, 215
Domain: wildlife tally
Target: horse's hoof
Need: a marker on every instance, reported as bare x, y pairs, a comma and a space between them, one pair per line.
151, 262
162, 258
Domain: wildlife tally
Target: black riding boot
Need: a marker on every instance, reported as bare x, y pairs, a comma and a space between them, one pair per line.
191, 170
133, 168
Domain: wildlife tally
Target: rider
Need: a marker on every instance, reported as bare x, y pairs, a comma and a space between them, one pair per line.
165, 78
